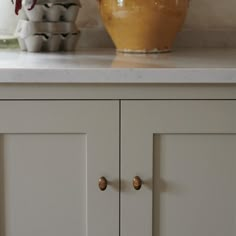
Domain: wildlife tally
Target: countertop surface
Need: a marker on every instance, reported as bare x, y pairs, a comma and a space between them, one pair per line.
107, 66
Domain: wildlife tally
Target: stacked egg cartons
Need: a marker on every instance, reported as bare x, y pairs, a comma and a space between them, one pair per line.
49, 26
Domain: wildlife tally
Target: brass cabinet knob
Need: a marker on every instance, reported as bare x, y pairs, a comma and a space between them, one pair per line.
137, 182
102, 183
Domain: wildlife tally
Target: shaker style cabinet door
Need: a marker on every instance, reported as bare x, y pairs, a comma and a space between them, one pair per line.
184, 153
52, 155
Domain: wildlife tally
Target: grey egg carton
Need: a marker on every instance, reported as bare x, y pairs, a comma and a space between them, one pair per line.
29, 2
52, 12
47, 36
26, 28
49, 42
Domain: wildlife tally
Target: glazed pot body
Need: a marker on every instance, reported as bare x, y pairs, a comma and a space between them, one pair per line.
143, 25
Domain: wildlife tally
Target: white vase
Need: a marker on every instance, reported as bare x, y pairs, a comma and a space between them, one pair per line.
8, 22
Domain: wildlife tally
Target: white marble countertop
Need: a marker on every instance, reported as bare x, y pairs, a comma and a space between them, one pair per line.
105, 66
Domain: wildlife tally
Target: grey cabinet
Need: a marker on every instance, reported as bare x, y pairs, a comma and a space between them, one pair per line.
53, 153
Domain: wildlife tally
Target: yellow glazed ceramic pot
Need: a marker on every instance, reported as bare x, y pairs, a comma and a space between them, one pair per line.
143, 26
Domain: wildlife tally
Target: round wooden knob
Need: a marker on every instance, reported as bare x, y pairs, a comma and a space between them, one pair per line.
102, 183
137, 182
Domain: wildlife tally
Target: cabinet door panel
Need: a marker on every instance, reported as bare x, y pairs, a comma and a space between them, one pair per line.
185, 153
45, 184
194, 185
51, 157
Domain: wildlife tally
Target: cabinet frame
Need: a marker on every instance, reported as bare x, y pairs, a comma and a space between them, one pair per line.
119, 93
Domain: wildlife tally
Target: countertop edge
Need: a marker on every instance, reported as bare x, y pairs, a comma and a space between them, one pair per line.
119, 76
